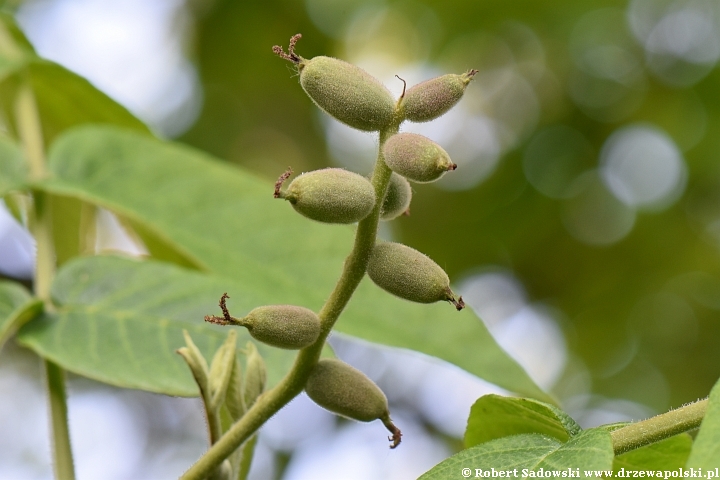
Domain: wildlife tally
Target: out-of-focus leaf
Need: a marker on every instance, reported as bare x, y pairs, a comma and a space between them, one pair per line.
15, 50
17, 307
589, 451
226, 221
494, 416
669, 454
120, 321
13, 170
706, 448
64, 99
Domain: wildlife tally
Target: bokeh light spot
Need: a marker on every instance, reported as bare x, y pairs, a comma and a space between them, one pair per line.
643, 167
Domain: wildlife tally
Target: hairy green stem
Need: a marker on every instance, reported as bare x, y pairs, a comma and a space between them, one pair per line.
63, 464
293, 383
658, 428
30, 134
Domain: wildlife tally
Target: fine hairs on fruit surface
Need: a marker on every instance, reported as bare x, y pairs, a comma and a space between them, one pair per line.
346, 391
330, 195
409, 274
416, 157
432, 98
397, 198
282, 326
344, 91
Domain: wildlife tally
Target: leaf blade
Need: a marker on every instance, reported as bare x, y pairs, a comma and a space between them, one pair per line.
590, 450
495, 416
226, 221
120, 321
17, 307
706, 448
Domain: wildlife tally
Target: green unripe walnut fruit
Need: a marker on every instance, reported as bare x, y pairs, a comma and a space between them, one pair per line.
432, 98
346, 391
347, 93
282, 326
397, 198
330, 195
416, 158
409, 274
344, 91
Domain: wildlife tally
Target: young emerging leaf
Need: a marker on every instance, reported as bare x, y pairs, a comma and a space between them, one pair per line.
346, 391
408, 274
343, 90
432, 98
198, 365
330, 195
416, 158
397, 199
255, 375
221, 369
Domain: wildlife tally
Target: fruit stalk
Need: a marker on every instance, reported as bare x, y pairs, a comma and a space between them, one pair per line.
269, 403
659, 427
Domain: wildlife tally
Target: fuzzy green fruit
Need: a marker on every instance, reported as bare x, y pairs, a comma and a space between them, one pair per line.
346, 391
342, 90
347, 93
397, 198
433, 98
409, 274
416, 158
331, 195
283, 326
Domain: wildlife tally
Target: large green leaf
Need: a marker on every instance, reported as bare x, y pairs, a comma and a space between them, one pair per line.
13, 171
226, 221
706, 448
17, 306
670, 454
529, 454
494, 416
120, 321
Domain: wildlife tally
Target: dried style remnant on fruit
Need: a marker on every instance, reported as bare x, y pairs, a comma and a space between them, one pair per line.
397, 199
416, 158
346, 391
409, 274
283, 326
432, 98
331, 195
344, 91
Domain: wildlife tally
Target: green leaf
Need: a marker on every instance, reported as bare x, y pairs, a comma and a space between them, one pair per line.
17, 307
494, 416
671, 453
13, 170
226, 221
525, 454
706, 448
120, 321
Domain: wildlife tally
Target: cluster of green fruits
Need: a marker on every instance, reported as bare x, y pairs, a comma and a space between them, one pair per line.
335, 195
